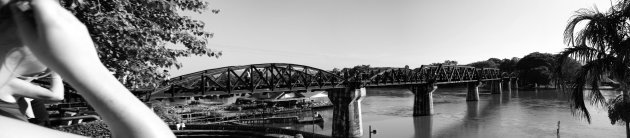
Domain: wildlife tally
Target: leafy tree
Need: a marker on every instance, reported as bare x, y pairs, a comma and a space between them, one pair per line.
537, 75
450, 62
535, 68
536, 59
496, 61
602, 45
483, 64
508, 65
335, 70
568, 70
361, 68
136, 38
446, 62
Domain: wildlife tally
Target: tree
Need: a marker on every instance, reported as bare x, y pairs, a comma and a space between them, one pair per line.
483, 64
536, 59
537, 75
335, 70
508, 65
602, 45
361, 68
136, 38
446, 63
568, 70
496, 61
536, 68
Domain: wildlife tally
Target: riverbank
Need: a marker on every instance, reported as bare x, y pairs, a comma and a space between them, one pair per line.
208, 114
101, 130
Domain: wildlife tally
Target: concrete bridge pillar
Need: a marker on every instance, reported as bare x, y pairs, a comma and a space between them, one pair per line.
423, 99
473, 91
516, 83
496, 87
508, 84
347, 120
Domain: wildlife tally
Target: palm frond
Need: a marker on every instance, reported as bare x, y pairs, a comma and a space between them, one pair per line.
600, 32
576, 100
619, 110
581, 15
581, 53
591, 73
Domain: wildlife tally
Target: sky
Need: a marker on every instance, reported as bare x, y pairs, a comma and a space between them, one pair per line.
329, 34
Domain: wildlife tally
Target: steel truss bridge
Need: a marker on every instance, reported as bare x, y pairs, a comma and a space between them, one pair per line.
346, 88
282, 77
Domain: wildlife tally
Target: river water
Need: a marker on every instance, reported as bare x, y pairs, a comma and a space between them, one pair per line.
511, 114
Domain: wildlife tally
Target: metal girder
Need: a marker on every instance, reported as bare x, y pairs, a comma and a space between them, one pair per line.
273, 77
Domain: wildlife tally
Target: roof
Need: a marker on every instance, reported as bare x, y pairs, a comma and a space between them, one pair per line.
311, 94
271, 95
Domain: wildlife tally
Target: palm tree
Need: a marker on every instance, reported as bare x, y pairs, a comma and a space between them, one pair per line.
603, 46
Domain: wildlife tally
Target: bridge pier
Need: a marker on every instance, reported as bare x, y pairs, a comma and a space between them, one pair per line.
473, 91
516, 83
423, 99
508, 84
495, 87
347, 120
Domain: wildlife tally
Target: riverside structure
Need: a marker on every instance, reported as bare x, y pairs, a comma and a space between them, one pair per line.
345, 89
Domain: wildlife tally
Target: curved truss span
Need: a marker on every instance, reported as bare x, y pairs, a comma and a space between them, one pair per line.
254, 78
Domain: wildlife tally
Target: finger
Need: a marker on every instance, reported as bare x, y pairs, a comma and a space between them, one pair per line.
26, 26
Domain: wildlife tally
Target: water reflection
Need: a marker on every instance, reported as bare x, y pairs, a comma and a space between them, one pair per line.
473, 122
505, 96
423, 126
389, 92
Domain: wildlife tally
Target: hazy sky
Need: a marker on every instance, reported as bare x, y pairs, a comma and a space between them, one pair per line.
393, 33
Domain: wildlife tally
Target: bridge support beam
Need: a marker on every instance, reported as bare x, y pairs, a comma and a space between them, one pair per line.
473, 91
495, 87
423, 99
347, 120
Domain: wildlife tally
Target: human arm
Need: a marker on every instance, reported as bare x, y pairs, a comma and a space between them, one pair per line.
62, 43
23, 88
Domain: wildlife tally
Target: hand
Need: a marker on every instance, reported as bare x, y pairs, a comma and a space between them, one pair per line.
57, 38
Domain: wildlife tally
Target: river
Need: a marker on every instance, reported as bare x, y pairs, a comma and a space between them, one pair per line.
511, 114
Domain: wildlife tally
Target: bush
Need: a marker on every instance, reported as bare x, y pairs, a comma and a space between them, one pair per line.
166, 113
90, 129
